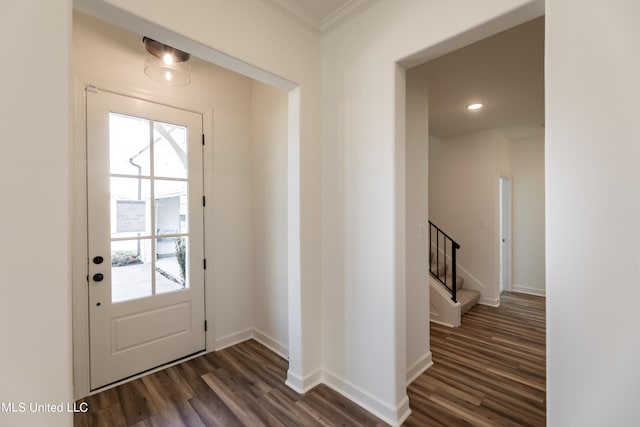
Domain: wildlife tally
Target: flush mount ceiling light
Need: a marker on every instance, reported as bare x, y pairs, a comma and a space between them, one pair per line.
475, 106
166, 64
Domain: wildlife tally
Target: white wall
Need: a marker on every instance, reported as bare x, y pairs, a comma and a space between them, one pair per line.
418, 356
463, 184
255, 39
110, 56
360, 269
528, 243
592, 211
504, 163
246, 177
364, 302
35, 266
463, 202
269, 209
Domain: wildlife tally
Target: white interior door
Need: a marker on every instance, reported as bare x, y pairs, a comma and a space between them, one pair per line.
146, 250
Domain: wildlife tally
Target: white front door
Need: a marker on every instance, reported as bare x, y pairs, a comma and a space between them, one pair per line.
146, 250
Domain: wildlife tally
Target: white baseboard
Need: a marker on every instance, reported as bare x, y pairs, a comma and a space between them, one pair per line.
302, 385
528, 290
295, 382
441, 309
233, 339
271, 343
403, 411
394, 416
249, 333
449, 325
491, 302
420, 365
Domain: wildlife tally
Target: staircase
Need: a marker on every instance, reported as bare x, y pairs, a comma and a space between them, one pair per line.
449, 299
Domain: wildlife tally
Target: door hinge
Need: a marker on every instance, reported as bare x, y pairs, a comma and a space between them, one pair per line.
203, 139
204, 263
205, 326
204, 201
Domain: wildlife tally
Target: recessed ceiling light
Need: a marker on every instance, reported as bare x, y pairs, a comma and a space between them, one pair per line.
474, 106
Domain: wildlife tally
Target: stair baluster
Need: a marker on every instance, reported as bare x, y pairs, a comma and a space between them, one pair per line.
452, 287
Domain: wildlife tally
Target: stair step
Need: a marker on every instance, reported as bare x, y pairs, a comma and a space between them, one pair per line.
440, 268
459, 281
448, 278
467, 299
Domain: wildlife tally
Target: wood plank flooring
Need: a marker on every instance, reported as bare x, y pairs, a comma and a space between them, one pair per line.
488, 372
240, 386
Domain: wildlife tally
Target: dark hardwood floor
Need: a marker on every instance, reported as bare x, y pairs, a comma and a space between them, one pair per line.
240, 386
488, 372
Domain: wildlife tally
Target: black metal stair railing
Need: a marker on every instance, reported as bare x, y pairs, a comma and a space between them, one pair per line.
445, 247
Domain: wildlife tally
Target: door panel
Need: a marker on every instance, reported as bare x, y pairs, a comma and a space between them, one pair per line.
146, 251
151, 326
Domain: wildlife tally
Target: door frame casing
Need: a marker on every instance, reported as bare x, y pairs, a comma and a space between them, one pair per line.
507, 254
80, 255
142, 332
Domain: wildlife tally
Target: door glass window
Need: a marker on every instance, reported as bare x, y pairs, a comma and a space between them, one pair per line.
170, 150
149, 207
130, 207
131, 266
172, 207
171, 271
129, 145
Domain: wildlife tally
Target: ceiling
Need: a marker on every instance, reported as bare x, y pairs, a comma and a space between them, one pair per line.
505, 72
320, 9
320, 16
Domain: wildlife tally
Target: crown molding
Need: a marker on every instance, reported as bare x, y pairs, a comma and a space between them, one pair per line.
292, 10
344, 14
296, 13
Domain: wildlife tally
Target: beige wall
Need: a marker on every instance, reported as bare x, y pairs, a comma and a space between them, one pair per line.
592, 175
418, 355
269, 210
364, 198
35, 255
528, 225
589, 183
254, 39
245, 182
110, 56
463, 201
463, 184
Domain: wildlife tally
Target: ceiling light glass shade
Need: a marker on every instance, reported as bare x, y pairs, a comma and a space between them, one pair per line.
474, 106
165, 64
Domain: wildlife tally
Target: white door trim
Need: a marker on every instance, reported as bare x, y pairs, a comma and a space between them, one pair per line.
134, 332
80, 290
505, 214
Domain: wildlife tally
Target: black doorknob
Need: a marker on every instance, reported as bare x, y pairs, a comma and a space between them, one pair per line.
98, 260
98, 277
